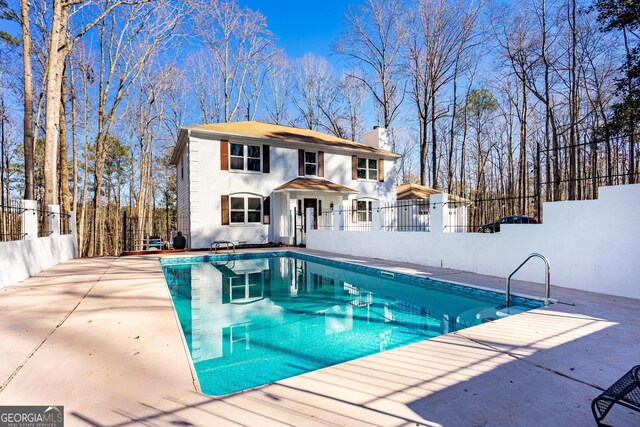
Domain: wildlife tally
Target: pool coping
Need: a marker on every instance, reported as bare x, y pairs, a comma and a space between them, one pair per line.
164, 260
503, 364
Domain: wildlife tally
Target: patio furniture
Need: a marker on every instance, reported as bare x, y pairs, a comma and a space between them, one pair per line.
222, 243
625, 391
153, 243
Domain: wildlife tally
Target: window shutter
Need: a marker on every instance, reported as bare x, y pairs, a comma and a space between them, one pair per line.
266, 161
354, 211
321, 163
300, 162
224, 155
381, 170
354, 167
225, 209
266, 210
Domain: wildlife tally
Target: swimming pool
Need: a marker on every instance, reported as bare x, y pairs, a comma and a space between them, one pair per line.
253, 319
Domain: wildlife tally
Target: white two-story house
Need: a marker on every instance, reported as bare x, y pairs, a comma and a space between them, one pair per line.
250, 181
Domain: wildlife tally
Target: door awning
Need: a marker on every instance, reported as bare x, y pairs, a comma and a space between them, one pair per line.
314, 184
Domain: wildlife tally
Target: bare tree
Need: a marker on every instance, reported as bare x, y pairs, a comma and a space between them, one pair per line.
372, 41
206, 87
354, 92
435, 53
128, 39
241, 44
28, 100
313, 82
60, 44
280, 90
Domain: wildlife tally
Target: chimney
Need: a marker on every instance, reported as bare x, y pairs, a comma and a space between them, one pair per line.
379, 137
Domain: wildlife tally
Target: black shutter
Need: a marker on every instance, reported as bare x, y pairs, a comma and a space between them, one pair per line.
321, 163
300, 162
225, 209
266, 166
224, 155
354, 167
266, 210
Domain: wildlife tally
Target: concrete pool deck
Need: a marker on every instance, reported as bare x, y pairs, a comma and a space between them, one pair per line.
100, 337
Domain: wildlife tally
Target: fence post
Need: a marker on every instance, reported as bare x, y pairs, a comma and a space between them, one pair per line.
309, 222
53, 220
377, 216
72, 224
436, 217
29, 219
338, 218
124, 231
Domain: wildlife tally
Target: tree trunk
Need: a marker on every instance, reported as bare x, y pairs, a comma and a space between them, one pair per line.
632, 118
64, 159
573, 103
450, 166
423, 151
55, 67
434, 143
28, 102
74, 135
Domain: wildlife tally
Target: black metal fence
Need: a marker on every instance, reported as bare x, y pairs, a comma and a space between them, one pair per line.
350, 219
568, 172
142, 234
44, 215
405, 215
11, 218
402, 215
11, 221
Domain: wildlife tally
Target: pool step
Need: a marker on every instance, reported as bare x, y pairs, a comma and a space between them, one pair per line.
494, 313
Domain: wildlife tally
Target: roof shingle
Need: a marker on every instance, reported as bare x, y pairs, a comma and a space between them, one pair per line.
287, 133
314, 184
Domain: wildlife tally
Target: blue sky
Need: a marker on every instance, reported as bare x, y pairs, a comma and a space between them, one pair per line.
303, 26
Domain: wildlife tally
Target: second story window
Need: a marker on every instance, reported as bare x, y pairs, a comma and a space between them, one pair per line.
367, 169
244, 157
310, 163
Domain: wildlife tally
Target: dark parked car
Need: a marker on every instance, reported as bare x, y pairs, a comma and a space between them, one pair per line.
494, 227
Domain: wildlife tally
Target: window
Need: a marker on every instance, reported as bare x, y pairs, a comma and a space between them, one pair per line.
244, 157
367, 169
310, 163
245, 210
246, 286
253, 158
365, 213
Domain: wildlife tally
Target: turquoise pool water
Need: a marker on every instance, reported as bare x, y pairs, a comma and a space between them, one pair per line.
254, 319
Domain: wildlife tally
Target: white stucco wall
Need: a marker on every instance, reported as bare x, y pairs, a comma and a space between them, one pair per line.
207, 183
592, 245
23, 258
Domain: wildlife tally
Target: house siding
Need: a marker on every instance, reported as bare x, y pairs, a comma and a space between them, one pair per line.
207, 182
183, 188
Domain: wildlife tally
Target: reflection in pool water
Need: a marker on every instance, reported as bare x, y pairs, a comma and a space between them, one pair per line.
249, 322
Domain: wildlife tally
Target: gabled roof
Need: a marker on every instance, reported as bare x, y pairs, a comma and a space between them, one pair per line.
284, 133
415, 191
314, 184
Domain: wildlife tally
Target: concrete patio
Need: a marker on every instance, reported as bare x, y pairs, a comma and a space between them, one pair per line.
100, 337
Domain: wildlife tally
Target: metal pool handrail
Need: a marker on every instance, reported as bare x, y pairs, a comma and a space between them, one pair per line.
547, 278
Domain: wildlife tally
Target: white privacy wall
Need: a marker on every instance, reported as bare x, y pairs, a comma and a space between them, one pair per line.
591, 245
21, 259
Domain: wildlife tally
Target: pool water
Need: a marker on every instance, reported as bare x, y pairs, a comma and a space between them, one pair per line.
250, 319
